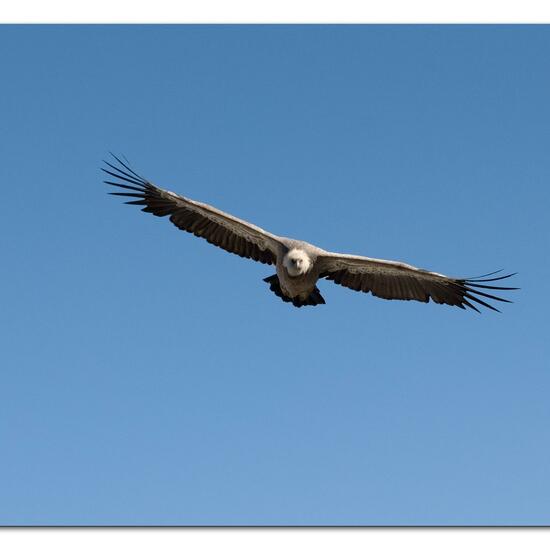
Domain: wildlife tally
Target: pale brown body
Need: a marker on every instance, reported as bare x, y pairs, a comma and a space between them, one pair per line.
298, 286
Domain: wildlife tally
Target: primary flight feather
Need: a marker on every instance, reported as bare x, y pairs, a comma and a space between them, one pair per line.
299, 265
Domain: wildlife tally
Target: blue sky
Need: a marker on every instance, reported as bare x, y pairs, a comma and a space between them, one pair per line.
150, 378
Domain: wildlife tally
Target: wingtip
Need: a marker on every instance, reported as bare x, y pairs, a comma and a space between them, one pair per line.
485, 275
105, 160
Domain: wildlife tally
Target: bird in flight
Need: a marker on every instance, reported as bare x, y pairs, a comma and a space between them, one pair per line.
299, 265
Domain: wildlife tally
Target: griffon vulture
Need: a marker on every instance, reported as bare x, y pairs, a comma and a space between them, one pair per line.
299, 265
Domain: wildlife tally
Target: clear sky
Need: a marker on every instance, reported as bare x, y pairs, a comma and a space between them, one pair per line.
149, 378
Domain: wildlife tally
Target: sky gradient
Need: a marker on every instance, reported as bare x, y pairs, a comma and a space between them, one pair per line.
150, 378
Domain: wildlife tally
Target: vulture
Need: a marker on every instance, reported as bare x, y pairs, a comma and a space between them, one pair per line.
298, 264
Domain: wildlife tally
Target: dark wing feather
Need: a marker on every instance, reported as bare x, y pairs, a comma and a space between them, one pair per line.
217, 227
400, 281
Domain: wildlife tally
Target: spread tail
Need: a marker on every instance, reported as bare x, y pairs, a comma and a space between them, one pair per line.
313, 299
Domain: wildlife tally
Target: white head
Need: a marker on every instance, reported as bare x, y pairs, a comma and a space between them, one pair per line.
296, 262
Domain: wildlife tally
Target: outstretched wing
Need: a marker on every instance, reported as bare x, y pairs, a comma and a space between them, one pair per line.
217, 227
400, 281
